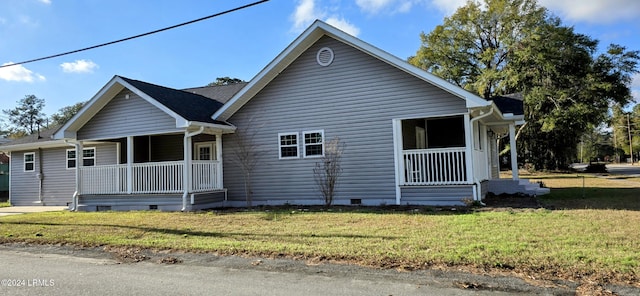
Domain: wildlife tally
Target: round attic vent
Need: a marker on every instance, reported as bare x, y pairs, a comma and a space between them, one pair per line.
324, 56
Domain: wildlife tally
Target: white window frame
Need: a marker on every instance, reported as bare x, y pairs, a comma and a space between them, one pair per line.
212, 150
67, 158
304, 143
82, 159
94, 157
280, 146
32, 161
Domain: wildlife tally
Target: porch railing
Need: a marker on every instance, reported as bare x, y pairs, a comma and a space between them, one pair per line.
148, 178
446, 166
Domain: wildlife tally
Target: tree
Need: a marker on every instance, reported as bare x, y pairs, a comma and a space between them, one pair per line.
472, 47
327, 172
65, 113
27, 116
496, 47
225, 81
246, 155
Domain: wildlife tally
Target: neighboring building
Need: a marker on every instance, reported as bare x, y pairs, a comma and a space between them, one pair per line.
411, 137
4, 173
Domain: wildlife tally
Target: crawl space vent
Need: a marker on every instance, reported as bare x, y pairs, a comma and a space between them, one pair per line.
324, 56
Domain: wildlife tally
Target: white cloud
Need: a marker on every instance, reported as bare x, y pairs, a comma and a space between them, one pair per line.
19, 73
47, 2
448, 6
594, 11
635, 81
343, 25
306, 12
391, 6
79, 66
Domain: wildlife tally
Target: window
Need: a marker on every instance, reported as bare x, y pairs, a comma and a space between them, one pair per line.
313, 143
29, 161
205, 151
71, 158
88, 157
288, 143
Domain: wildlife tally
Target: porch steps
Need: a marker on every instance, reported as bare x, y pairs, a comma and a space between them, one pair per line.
522, 186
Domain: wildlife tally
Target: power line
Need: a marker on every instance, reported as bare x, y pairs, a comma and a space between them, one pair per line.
137, 36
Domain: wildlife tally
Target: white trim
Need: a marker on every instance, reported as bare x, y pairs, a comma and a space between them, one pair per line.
430, 116
304, 143
220, 160
212, 152
319, 54
468, 133
32, 161
297, 145
307, 39
95, 158
397, 156
514, 151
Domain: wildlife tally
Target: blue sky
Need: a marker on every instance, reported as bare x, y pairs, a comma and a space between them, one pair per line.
238, 45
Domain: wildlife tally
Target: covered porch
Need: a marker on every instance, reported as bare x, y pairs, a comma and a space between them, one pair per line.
174, 171
448, 159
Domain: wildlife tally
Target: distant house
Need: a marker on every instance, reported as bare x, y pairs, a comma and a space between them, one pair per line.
4, 174
411, 137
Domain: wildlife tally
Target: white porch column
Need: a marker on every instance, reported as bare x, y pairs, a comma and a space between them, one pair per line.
79, 165
514, 153
130, 164
468, 154
397, 158
219, 174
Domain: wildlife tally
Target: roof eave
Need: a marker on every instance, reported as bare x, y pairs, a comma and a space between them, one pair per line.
33, 145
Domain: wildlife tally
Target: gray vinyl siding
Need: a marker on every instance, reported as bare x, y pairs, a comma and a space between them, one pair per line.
436, 195
355, 99
58, 183
127, 117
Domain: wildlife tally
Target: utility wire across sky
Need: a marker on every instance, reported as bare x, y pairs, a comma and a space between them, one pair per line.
136, 36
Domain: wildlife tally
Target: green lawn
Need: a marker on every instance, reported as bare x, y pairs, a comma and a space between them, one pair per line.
575, 241
4, 204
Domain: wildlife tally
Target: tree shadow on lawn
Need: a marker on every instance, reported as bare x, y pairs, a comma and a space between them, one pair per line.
577, 198
190, 232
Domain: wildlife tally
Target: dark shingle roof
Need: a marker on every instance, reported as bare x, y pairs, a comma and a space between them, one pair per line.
511, 103
188, 105
220, 93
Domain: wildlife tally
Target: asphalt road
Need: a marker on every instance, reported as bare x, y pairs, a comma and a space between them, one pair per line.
47, 270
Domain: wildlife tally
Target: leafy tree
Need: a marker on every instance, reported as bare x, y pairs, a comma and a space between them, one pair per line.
27, 116
65, 113
472, 47
495, 47
225, 81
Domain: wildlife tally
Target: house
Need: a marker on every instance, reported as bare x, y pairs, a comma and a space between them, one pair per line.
411, 137
4, 174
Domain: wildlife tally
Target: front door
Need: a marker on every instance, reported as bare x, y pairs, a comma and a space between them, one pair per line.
205, 151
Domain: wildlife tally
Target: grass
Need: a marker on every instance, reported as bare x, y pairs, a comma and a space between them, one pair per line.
4, 204
576, 242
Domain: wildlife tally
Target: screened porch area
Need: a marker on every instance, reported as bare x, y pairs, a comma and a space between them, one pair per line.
434, 151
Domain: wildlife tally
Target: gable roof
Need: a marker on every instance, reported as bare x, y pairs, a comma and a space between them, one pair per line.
186, 108
312, 34
188, 105
220, 93
511, 103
